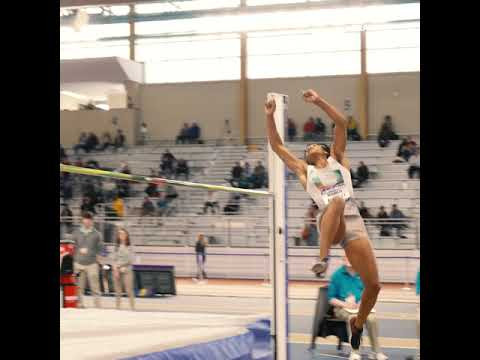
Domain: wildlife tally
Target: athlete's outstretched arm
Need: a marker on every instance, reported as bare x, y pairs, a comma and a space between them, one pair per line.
340, 135
299, 167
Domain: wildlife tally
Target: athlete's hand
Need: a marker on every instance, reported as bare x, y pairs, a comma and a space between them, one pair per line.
270, 107
310, 96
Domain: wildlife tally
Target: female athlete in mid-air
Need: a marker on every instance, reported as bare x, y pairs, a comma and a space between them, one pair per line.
325, 175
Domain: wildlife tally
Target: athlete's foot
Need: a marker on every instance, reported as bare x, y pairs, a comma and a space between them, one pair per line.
356, 338
320, 267
377, 356
355, 355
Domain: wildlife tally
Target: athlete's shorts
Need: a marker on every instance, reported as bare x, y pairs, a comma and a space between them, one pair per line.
354, 227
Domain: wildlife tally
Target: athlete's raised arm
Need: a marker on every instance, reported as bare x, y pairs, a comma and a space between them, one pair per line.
299, 167
340, 134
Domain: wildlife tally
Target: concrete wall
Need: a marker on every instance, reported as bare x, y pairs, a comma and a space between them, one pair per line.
397, 95
72, 123
165, 107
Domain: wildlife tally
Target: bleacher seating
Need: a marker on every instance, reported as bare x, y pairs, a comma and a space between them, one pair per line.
210, 164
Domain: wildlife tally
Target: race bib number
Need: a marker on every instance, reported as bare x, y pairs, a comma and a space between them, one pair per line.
84, 251
331, 184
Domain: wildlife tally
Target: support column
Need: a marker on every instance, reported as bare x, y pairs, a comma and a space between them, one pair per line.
131, 38
363, 88
243, 90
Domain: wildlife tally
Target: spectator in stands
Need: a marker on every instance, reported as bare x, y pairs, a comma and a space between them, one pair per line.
309, 129
106, 141
152, 190
67, 188
123, 258
352, 132
386, 132
319, 129
182, 168
259, 177
364, 213
87, 205
118, 206
200, 246
109, 191
311, 231
66, 218
82, 144
233, 204
171, 193
344, 294
92, 142
402, 145
148, 209
119, 140
184, 134
291, 130
194, 133
211, 202
143, 133
384, 228
246, 169
63, 154
123, 186
88, 247
92, 164
397, 214
362, 173
167, 162
162, 204
414, 167
227, 132
237, 172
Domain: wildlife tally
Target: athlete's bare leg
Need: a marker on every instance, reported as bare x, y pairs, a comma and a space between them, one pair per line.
360, 254
332, 230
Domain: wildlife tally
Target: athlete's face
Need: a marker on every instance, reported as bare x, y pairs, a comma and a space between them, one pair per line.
314, 152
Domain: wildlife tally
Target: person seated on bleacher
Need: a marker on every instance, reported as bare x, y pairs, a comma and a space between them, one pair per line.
237, 172
414, 167
397, 214
182, 168
319, 132
143, 133
87, 205
167, 161
194, 133
246, 169
344, 294
291, 130
310, 233
309, 129
152, 190
92, 142
184, 135
171, 193
92, 164
211, 202
123, 186
148, 209
162, 204
118, 206
364, 213
106, 141
259, 177
82, 144
233, 204
362, 173
119, 140
384, 228
352, 132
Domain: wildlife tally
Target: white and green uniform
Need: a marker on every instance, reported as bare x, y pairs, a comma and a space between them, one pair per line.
334, 180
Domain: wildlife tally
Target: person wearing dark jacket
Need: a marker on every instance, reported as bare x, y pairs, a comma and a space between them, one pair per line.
201, 257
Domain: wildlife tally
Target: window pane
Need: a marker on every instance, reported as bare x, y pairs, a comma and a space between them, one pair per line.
187, 48
338, 63
393, 60
270, 44
95, 49
391, 39
192, 70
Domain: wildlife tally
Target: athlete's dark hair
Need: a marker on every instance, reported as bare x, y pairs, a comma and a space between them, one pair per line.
325, 148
